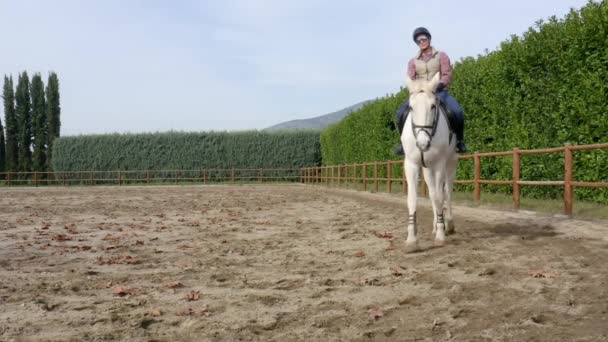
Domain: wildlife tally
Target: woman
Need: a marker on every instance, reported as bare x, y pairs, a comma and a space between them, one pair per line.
427, 62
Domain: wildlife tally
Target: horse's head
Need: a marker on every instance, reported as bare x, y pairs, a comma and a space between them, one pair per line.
422, 105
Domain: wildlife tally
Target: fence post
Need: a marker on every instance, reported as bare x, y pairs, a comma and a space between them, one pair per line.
364, 176
64, 180
333, 177
148, 177
516, 175
8, 178
339, 175
232, 176
346, 175
323, 171
477, 178
36, 178
568, 197
353, 179
119, 178
91, 177
375, 176
389, 176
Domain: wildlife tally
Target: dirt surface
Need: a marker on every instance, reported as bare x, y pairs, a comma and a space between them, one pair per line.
288, 262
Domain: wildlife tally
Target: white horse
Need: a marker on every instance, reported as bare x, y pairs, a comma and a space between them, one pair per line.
428, 142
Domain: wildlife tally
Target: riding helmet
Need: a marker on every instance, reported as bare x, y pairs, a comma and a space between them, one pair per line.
421, 30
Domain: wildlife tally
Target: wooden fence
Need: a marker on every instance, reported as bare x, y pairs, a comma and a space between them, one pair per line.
357, 174
204, 176
341, 175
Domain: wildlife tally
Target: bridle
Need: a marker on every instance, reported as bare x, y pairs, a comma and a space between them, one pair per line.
429, 129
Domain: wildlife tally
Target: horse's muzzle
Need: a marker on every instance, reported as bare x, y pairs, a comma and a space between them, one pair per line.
425, 146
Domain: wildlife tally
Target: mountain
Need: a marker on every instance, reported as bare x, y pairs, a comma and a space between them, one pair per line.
321, 121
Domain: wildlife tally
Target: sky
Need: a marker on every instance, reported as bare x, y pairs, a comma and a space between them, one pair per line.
130, 66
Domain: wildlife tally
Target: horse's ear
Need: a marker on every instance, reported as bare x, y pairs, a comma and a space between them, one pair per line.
434, 82
412, 85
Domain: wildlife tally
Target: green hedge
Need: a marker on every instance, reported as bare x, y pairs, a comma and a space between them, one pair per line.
541, 90
366, 135
187, 151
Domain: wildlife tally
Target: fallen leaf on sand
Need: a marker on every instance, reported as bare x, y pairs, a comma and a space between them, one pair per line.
174, 284
193, 296
123, 291
61, 237
360, 254
110, 237
375, 313
385, 235
153, 313
396, 271
541, 274
127, 259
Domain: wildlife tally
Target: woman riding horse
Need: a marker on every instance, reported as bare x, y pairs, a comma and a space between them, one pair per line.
427, 62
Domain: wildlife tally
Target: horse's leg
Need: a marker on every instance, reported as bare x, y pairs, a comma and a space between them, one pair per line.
411, 174
429, 178
437, 198
449, 188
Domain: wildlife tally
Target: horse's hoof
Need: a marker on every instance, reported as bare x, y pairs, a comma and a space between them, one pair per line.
451, 229
439, 243
411, 247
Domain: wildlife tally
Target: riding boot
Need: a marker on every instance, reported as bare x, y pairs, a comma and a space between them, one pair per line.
400, 123
402, 113
460, 146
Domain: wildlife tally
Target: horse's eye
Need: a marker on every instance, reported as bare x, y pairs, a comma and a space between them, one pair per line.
433, 107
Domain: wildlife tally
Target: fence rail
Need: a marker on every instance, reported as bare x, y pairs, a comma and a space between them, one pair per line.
120, 177
357, 174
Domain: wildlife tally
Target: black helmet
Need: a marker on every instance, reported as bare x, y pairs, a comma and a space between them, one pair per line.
421, 30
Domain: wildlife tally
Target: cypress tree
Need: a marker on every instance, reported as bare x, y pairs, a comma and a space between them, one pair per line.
40, 123
2, 151
53, 115
23, 109
10, 120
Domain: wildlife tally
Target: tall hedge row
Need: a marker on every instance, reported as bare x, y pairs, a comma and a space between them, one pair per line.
543, 89
187, 151
366, 135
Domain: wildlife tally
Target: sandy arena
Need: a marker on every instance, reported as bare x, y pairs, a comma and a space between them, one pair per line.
288, 263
